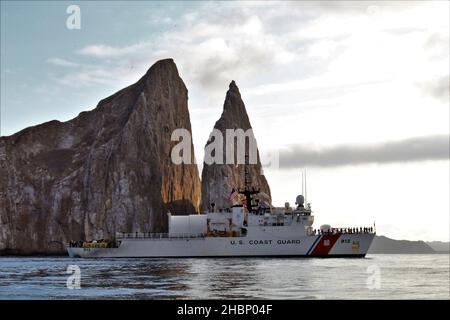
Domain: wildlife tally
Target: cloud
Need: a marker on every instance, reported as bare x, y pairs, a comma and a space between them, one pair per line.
434, 147
88, 75
62, 62
354, 6
438, 88
212, 45
105, 51
218, 42
304, 51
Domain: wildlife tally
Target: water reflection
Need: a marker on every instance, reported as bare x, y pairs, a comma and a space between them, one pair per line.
224, 278
143, 278
403, 276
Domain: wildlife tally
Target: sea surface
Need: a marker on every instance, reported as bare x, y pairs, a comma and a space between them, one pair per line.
374, 277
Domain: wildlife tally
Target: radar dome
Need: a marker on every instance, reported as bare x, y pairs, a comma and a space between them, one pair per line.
300, 200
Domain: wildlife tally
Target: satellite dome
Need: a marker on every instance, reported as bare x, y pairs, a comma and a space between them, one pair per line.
300, 200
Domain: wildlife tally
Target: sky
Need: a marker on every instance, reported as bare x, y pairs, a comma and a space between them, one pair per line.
356, 92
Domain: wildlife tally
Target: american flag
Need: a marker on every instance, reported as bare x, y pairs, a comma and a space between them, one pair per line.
233, 194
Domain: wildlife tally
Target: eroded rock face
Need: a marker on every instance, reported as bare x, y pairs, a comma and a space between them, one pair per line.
104, 171
218, 180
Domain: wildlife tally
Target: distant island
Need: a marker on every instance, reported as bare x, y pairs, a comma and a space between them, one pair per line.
440, 246
382, 244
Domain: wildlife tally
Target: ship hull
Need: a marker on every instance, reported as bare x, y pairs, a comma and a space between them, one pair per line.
333, 245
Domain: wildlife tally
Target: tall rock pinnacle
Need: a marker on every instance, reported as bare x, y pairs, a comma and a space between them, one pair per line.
107, 170
218, 180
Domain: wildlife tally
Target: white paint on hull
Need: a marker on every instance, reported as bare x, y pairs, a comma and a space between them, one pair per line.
266, 244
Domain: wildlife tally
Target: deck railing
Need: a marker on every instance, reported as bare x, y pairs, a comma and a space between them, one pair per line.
150, 235
361, 230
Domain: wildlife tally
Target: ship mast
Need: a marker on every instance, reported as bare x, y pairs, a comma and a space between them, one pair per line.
248, 190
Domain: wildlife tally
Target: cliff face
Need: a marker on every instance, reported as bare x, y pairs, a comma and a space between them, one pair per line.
104, 171
218, 180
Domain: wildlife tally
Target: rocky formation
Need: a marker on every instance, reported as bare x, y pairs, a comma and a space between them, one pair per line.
218, 180
439, 246
382, 244
104, 171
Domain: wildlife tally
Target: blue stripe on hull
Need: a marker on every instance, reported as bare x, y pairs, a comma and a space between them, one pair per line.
314, 243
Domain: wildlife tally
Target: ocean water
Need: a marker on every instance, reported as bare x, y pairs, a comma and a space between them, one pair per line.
374, 277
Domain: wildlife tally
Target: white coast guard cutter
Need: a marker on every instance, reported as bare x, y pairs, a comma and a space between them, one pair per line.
239, 231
